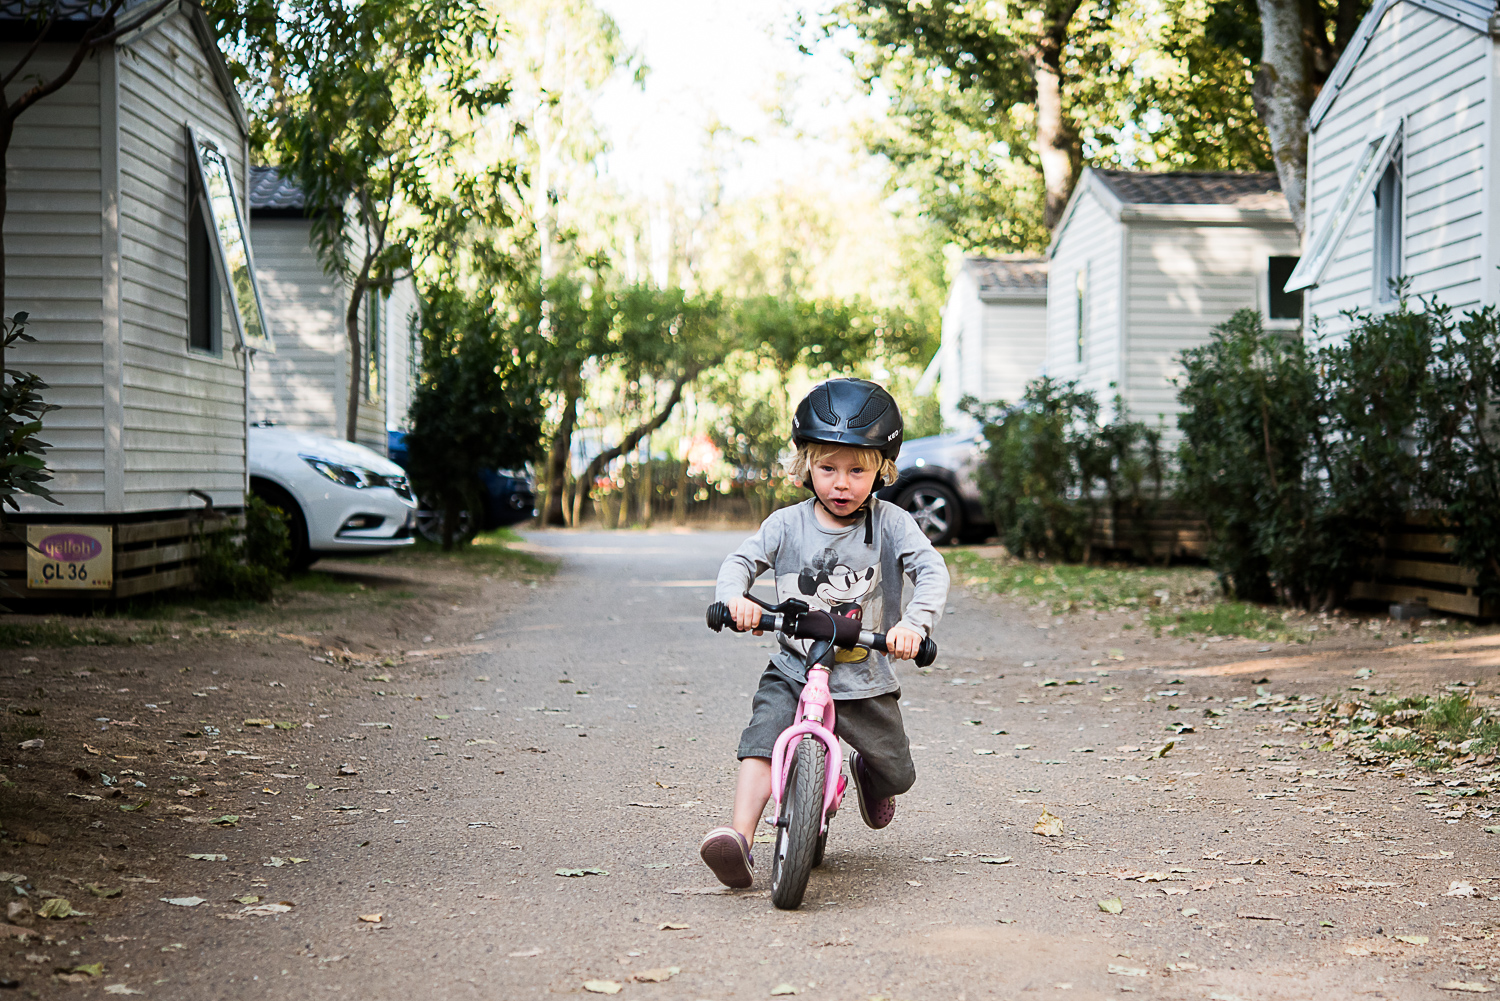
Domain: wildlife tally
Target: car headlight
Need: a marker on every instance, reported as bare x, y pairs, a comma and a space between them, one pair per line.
358, 477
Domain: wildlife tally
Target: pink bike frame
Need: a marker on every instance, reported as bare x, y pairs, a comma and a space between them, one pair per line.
815, 719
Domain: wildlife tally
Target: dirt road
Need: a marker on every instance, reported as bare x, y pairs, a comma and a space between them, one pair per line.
590, 725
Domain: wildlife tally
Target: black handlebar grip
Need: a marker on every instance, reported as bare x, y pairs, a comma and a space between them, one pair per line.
926, 653
719, 616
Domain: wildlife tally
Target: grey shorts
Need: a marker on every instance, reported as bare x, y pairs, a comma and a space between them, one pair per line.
871, 726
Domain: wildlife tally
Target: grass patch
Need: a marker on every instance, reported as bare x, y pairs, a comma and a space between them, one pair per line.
66, 633
1430, 731
488, 551
1069, 586
1227, 618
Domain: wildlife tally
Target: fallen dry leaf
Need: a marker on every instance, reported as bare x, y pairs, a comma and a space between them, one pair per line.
783, 990
1411, 939
660, 975
1250, 916
669, 926
1048, 825
1458, 888
1111, 906
1127, 971
527, 953
373, 919
602, 986
1468, 987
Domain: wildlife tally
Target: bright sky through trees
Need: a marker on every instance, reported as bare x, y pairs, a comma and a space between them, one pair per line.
788, 116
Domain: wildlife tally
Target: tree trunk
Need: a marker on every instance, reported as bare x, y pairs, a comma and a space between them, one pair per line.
356, 355
644, 491
1283, 93
1057, 146
560, 452
631, 440
680, 498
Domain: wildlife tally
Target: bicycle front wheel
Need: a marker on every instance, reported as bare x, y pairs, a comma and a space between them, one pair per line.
801, 818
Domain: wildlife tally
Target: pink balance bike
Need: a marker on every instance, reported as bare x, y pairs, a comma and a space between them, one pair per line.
807, 784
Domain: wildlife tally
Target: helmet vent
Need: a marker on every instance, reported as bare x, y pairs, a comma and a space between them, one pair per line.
874, 408
822, 406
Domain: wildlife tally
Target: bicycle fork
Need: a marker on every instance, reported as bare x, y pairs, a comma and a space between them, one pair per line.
815, 720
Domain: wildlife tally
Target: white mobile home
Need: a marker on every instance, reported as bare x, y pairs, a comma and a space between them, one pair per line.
306, 385
1144, 265
994, 333
1401, 156
127, 245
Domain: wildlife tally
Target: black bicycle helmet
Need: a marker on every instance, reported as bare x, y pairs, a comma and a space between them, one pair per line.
853, 412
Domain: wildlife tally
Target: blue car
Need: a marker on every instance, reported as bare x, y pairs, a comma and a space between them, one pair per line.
508, 498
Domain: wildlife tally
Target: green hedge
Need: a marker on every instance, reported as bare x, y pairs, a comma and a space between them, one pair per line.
1051, 468
1299, 459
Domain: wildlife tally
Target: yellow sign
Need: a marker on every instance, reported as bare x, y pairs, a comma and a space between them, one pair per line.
70, 557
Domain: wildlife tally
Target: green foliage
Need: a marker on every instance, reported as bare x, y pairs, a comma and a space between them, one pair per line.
1143, 87
1250, 409
478, 405
1299, 462
1051, 467
247, 567
23, 470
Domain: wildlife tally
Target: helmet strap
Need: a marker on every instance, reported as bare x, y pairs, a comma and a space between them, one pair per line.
868, 507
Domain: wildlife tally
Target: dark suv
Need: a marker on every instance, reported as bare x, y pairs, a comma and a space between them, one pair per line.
936, 484
508, 497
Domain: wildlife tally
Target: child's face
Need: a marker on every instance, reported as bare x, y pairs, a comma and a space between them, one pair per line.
843, 481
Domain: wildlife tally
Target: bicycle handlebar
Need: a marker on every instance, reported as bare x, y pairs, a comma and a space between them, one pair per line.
800, 622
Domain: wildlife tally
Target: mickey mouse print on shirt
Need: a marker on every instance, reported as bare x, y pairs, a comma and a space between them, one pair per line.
835, 587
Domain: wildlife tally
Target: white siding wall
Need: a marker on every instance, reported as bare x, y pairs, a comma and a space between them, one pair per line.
959, 374
305, 385
1185, 279
403, 353
302, 386
184, 411
1091, 239
1015, 346
1435, 72
55, 271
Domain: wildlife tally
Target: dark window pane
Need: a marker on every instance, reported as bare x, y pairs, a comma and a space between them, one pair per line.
1284, 305
203, 285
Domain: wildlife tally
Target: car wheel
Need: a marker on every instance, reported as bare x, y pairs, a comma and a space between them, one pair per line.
300, 555
934, 508
430, 524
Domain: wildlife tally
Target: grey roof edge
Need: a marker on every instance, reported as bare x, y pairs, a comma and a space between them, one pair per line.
1472, 15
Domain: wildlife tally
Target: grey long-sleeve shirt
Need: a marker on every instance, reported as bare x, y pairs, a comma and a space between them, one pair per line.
833, 569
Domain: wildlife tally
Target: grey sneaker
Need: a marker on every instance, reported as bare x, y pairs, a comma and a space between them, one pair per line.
727, 853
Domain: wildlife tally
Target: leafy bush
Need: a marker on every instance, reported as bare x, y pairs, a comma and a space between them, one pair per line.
1051, 468
250, 566
1300, 461
479, 405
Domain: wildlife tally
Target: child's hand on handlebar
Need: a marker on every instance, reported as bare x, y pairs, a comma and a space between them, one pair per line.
747, 615
902, 642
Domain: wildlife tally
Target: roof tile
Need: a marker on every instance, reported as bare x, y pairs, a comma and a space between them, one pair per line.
1247, 190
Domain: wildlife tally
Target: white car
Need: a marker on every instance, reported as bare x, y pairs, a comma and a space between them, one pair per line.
338, 497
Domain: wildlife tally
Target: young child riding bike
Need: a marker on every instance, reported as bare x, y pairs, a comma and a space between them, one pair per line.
843, 551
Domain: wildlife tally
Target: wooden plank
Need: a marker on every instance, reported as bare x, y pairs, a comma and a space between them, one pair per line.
173, 528
135, 559
1438, 601
1419, 542
131, 586
1427, 571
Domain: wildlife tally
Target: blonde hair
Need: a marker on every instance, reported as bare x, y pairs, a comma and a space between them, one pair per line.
799, 467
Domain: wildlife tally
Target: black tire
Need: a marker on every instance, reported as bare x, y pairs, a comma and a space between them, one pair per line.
801, 817
299, 554
936, 510
430, 524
